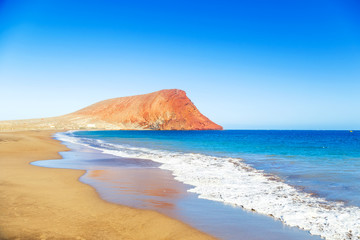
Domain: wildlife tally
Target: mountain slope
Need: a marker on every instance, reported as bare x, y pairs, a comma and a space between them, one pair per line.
162, 110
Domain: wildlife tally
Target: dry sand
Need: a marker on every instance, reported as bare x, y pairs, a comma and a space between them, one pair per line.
45, 203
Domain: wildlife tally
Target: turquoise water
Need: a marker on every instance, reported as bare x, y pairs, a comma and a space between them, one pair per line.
304, 179
326, 163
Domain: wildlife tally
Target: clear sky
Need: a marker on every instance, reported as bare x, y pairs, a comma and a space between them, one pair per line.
255, 64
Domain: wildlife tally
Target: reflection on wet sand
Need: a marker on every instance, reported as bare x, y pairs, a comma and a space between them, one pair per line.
149, 188
140, 183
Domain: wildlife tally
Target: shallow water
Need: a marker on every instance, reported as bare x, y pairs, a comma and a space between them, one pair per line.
141, 183
306, 179
323, 162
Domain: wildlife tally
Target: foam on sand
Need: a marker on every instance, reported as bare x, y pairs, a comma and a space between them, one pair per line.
232, 181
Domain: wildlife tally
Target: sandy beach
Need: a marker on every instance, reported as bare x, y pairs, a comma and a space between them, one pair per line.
45, 203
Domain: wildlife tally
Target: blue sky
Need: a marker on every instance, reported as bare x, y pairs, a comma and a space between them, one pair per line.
254, 64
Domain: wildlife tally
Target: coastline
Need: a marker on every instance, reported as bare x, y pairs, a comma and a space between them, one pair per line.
143, 184
44, 203
224, 179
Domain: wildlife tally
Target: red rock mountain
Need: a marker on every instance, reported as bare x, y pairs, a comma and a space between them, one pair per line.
162, 110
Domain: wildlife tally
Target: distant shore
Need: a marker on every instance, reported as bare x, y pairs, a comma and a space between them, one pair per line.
44, 203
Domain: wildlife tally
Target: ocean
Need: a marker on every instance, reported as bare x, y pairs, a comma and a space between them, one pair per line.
302, 179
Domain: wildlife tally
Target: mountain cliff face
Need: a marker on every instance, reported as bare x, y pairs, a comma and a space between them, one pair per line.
162, 110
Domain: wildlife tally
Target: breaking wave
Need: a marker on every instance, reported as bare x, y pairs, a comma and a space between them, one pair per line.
232, 181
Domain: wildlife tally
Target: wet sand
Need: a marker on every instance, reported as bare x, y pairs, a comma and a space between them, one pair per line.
140, 183
45, 203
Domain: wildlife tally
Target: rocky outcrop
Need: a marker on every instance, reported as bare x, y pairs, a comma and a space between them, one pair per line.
162, 110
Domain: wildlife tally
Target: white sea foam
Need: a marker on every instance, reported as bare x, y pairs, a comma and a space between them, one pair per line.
232, 181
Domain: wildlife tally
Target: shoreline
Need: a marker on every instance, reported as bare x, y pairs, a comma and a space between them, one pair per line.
142, 184
42, 203
229, 180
